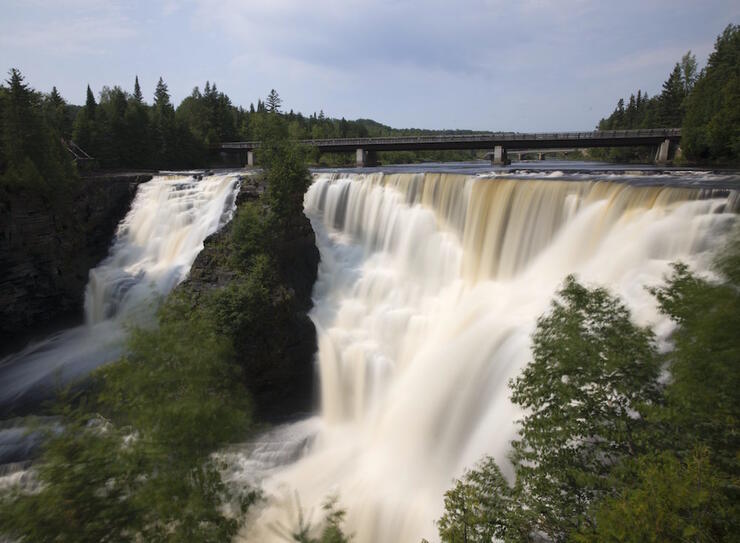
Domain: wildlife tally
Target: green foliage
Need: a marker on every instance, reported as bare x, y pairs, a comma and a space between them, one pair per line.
593, 372
606, 453
479, 508
248, 304
178, 384
287, 179
668, 500
702, 401
706, 105
273, 102
86, 476
252, 232
711, 127
592, 378
30, 143
329, 529
133, 461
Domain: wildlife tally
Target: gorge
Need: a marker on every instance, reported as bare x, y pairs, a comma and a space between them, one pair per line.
429, 287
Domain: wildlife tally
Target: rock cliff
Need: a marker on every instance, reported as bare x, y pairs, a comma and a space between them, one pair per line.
278, 361
48, 243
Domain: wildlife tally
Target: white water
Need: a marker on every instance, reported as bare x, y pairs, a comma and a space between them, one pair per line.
154, 248
429, 288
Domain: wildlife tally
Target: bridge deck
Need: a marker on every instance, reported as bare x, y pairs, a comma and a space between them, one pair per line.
509, 140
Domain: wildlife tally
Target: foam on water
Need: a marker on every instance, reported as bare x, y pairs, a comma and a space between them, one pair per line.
429, 288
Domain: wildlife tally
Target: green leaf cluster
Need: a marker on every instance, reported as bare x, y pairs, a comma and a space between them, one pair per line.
608, 449
133, 460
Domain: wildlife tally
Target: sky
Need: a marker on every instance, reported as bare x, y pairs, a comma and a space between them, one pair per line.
527, 65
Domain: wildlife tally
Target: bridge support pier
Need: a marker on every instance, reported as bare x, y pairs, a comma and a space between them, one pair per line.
499, 157
365, 158
250, 158
663, 154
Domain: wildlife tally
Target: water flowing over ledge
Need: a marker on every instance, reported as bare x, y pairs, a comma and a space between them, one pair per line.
429, 288
155, 246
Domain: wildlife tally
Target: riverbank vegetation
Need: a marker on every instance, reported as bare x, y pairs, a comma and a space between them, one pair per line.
705, 104
134, 461
609, 448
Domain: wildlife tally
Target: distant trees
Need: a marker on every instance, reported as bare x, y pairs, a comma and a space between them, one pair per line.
705, 104
711, 124
121, 130
31, 128
665, 110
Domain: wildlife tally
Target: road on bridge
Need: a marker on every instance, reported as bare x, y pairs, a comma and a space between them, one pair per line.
498, 142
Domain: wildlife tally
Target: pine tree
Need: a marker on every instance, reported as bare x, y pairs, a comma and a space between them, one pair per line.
713, 107
90, 105
56, 113
631, 113
162, 96
671, 99
273, 102
18, 118
138, 96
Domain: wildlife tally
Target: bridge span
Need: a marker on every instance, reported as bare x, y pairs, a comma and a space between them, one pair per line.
498, 143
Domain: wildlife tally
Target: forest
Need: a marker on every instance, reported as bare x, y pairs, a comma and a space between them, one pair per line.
705, 104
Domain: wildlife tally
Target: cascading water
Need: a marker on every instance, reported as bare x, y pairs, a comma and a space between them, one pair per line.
154, 248
429, 289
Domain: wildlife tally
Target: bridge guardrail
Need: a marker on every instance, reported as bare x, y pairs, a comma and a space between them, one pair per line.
489, 138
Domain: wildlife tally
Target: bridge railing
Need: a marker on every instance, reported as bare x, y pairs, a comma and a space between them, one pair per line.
487, 137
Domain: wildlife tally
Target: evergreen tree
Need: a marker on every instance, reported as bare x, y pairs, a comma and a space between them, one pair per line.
710, 128
273, 102
56, 113
22, 131
90, 105
593, 376
671, 99
138, 96
162, 96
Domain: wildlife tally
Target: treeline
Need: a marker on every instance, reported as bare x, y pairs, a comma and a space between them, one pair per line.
31, 151
705, 104
120, 130
609, 448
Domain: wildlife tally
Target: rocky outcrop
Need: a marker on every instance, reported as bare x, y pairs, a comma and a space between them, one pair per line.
48, 243
278, 361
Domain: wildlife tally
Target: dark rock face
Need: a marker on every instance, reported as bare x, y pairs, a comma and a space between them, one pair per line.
278, 362
48, 243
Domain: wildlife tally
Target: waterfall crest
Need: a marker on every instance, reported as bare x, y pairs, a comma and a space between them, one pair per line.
154, 247
429, 289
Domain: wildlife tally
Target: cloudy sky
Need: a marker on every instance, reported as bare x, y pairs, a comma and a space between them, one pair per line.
478, 64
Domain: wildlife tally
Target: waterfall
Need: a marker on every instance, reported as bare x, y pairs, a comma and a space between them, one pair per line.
429, 288
155, 245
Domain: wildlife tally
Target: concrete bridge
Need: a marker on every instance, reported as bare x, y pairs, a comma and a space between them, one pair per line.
499, 143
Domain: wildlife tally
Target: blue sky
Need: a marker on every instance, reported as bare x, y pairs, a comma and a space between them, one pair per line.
528, 65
